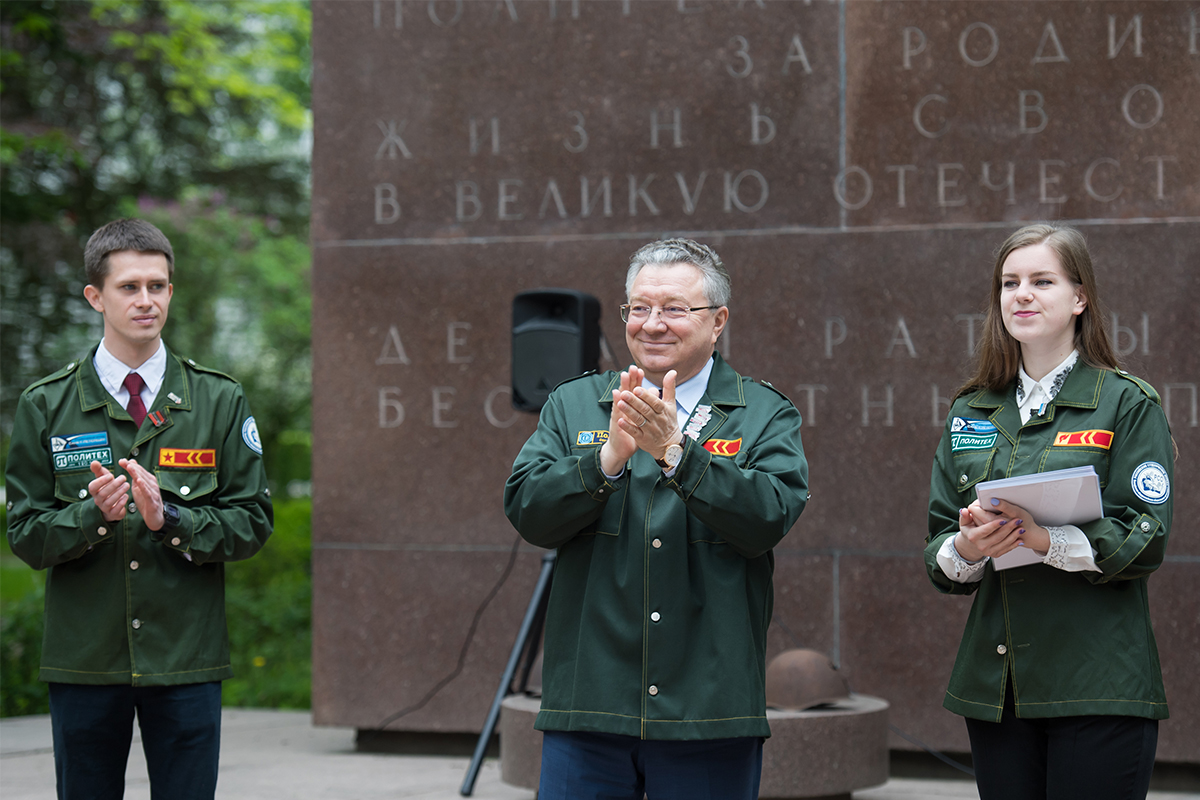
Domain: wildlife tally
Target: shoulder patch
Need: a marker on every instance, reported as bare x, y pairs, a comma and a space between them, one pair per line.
250, 435
1150, 482
1146, 388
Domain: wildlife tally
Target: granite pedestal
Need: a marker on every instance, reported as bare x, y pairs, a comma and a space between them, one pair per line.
824, 753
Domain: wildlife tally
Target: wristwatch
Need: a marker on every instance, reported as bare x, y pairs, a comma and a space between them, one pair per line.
171, 519
671, 458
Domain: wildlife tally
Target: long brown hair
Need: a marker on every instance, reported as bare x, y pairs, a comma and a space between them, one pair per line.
998, 353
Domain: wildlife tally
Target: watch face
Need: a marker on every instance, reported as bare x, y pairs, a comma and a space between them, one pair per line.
673, 454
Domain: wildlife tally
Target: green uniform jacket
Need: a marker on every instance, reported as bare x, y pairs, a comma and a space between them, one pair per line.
121, 609
662, 589
1073, 642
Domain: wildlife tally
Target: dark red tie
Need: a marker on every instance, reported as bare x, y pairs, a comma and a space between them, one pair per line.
136, 408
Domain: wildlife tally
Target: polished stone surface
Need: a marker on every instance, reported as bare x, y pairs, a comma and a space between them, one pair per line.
850, 161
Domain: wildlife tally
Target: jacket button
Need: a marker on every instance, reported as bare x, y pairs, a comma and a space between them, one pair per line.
657, 543
655, 617
82, 493
653, 690
175, 542
963, 478
133, 508
1001, 649
133, 565
135, 451
1145, 526
600, 491
102, 530
137, 623
185, 490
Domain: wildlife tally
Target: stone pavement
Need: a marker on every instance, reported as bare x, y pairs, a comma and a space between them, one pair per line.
280, 755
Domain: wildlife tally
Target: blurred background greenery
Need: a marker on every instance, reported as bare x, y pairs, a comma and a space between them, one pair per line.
195, 116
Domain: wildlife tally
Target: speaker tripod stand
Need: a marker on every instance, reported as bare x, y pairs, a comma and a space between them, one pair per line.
527, 643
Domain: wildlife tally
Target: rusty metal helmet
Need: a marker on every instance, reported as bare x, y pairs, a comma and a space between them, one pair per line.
800, 679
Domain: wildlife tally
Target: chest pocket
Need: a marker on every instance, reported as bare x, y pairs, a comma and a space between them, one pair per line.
971, 467
71, 487
1076, 456
186, 484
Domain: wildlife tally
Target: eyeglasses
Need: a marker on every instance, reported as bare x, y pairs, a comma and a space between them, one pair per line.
641, 313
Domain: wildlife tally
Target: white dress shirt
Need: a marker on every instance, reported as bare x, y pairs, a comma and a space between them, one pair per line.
1070, 549
112, 372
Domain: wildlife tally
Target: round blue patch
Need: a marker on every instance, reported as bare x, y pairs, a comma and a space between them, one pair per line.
1150, 482
250, 435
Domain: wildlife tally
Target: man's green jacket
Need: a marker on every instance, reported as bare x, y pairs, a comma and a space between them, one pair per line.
120, 607
1073, 643
662, 590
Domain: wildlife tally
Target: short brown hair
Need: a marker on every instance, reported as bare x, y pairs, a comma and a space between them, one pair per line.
999, 353
119, 235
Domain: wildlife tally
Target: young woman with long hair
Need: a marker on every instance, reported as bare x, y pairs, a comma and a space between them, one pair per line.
1057, 674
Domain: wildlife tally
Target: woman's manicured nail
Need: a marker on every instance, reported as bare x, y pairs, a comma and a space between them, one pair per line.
995, 501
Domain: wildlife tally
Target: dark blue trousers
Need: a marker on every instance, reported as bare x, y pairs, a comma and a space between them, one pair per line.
93, 728
605, 766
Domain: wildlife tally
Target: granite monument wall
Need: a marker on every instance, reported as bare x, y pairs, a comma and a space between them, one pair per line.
856, 164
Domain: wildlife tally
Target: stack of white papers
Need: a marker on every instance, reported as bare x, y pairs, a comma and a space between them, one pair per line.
1061, 497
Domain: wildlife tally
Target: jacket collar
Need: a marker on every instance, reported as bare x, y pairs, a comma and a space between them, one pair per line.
174, 394
724, 386
1080, 390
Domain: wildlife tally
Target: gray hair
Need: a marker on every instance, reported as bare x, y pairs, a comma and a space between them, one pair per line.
717, 286
119, 235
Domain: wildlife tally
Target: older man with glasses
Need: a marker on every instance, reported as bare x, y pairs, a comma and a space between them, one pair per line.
664, 489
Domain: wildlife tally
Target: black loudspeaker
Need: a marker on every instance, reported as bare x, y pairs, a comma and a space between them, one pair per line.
555, 336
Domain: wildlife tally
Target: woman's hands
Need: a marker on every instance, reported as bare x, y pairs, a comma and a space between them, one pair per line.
996, 530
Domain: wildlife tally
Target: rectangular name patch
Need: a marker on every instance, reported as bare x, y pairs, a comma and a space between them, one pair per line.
1098, 439
591, 437
723, 447
972, 441
78, 441
964, 425
175, 457
80, 459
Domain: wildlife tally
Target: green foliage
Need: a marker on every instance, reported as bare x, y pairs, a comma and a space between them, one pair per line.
110, 102
268, 603
20, 651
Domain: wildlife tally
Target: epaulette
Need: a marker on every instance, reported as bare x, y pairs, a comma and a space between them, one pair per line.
587, 374
1146, 388
69, 369
773, 389
201, 368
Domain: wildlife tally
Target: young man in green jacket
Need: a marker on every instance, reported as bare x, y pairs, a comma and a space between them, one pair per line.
664, 509
133, 475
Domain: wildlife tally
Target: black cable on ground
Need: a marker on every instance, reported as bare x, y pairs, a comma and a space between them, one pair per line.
462, 655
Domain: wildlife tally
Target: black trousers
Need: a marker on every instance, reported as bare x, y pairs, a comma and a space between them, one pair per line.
1063, 758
